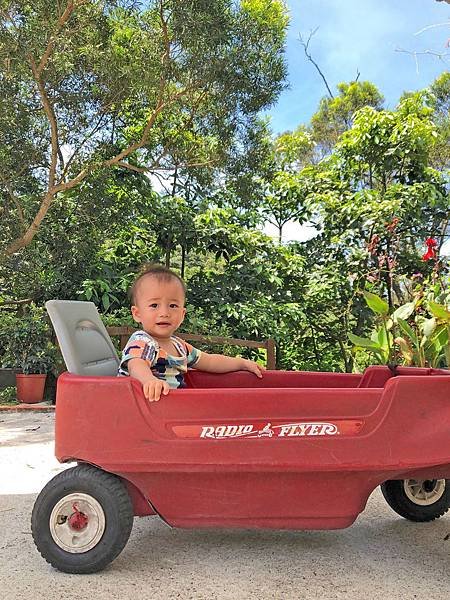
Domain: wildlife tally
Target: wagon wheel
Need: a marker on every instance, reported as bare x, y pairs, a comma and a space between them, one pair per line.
418, 499
82, 519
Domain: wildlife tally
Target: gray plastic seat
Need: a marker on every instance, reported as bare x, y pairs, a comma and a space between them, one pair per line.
85, 344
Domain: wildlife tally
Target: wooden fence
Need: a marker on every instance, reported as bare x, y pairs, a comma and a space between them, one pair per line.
268, 345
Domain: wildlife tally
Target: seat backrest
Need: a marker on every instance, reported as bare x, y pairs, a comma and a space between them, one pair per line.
375, 376
85, 344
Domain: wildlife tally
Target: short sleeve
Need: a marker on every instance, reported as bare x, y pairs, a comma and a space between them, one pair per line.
140, 345
193, 354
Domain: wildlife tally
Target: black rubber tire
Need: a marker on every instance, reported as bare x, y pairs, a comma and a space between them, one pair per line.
110, 492
395, 495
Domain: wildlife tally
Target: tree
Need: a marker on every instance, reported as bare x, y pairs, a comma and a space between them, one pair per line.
440, 102
249, 162
284, 201
373, 201
105, 216
335, 114
75, 75
293, 150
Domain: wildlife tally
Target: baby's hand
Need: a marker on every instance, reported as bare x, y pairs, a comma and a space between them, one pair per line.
154, 387
250, 365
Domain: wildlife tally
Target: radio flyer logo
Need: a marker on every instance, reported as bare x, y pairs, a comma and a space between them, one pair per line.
269, 430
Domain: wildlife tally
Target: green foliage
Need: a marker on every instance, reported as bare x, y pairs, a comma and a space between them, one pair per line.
387, 146
293, 150
217, 176
335, 115
418, 333
284, 200
98, 291
8, 396
26, 342
117, 84
376, 304
440, 103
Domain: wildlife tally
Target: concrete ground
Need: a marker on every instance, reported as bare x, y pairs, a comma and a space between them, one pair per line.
380, 556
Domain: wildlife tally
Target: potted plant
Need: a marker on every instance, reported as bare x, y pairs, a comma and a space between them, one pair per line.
27, 346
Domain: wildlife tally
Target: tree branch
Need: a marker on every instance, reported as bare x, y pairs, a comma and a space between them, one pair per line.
16, 202
80, 145
161, 180
65, 186
441, 55
37, 71
310, 58
53, 188
71, 5
444, 24
48, 108
29, 234
166, 39
132, 167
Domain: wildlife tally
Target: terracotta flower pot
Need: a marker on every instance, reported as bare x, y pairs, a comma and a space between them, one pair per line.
30, 388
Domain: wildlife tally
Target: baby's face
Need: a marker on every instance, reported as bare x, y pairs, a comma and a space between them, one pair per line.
159, 306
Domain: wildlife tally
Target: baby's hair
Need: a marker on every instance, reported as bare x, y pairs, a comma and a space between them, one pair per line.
161, 273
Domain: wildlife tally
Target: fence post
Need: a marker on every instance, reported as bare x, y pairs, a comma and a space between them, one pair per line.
271, 358
124, 340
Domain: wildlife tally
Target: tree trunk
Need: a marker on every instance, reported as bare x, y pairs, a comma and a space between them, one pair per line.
183, 260
168, 252
347, 366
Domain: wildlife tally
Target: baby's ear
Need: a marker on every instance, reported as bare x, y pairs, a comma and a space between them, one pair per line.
135, 313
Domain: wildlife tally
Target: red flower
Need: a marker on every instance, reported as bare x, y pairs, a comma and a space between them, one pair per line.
431, 244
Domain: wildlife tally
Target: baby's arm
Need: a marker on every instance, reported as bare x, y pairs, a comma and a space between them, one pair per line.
152, 386
218, 363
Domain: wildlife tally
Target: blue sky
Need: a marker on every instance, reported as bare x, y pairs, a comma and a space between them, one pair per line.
360, 35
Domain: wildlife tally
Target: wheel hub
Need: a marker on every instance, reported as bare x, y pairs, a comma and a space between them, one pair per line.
424, 492
77, 523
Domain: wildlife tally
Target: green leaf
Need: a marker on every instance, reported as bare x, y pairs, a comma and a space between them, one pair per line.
439, 311
441, 336
404, 311
407, 330
105, 301
363, 342
382, 339
376, 304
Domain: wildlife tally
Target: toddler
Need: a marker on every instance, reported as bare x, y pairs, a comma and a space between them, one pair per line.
154, 355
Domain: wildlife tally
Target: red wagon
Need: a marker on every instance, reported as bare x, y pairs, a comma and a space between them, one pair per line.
297, 450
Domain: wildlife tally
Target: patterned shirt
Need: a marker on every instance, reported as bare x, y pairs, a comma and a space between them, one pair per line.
164, 366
